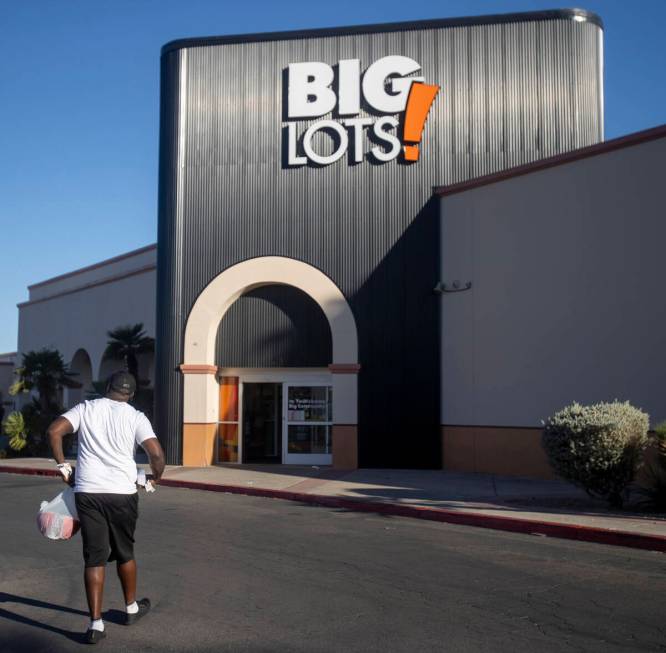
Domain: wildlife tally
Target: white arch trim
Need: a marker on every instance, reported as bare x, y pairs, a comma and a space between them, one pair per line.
228, 286
200, 388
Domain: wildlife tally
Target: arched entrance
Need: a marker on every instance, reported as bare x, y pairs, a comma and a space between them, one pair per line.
82, 366
201, 396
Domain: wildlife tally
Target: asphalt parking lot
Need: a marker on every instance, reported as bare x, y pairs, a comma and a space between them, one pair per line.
237, 573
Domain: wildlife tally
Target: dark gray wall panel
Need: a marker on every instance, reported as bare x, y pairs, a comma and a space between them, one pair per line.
511, 92
274, 326
170, 288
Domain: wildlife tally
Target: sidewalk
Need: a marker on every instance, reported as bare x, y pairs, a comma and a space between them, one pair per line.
539, 507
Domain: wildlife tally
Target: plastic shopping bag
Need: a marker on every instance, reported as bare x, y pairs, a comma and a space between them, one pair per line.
57, 519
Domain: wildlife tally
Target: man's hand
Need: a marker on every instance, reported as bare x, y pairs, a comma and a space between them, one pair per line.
147, 482
155, 457
56, 431
66, 470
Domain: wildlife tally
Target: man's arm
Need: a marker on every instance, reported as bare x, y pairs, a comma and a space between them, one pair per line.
155, 457
57, 430
60, 427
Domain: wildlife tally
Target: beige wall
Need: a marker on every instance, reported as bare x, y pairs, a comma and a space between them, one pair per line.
116, 266
79, 314
567, 301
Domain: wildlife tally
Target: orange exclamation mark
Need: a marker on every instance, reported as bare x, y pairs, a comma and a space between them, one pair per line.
421, 97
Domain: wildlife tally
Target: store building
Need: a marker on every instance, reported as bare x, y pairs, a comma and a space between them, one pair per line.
326, 293
73, 312
565, 258
299, 244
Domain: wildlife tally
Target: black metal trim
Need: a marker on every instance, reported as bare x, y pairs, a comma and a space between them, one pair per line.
491, 19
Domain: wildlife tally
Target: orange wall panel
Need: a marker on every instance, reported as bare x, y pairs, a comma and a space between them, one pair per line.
227, 443
345, 446
198, 444
495, 450
229, 399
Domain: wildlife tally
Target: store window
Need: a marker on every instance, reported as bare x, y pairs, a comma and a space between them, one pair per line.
309, 420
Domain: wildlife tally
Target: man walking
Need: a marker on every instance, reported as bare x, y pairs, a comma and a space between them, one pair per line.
105, 486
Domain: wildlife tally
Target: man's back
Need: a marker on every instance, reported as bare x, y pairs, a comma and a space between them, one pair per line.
106, 498
108, 434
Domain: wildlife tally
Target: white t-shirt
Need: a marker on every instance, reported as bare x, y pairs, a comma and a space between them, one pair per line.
108, 434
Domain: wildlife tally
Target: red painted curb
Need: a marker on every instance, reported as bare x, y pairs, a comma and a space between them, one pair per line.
29, 471
512, 524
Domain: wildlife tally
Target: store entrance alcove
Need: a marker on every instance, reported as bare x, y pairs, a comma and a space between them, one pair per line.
273, 345
211, 389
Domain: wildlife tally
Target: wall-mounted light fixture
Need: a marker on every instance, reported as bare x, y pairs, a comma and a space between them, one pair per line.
454, 286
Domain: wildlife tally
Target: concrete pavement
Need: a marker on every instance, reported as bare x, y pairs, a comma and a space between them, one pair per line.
228, 573
552, 508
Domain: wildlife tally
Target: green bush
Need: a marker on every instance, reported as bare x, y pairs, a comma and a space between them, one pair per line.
598, 447
654, 486
45, 372
26, 430
37, 421
14, 428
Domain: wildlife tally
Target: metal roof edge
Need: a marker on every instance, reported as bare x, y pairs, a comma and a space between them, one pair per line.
94, 266
92, 284
581, 15
619, 143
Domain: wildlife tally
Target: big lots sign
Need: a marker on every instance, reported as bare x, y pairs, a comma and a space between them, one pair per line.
386, 88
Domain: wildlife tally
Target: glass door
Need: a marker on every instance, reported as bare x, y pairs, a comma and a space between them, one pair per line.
262, 422
308, 421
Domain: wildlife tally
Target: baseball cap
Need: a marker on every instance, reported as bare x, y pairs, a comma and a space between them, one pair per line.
122, 382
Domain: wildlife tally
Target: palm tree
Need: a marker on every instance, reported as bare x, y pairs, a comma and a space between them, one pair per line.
126, 343
46, 372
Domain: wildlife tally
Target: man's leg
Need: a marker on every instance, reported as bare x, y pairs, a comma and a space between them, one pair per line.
94, 581
122, 550
127, 575
95, 535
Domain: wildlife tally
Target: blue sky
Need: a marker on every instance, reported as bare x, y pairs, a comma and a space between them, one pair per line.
79, 95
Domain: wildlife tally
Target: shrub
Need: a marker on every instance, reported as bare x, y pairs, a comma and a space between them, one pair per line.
43, 371
14, 428
598, 447
654, 487
26, 430
37, 420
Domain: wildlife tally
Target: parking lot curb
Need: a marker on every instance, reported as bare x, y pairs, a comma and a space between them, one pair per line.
576, 532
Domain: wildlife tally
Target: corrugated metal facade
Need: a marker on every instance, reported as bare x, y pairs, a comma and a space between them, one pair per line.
274, 326
513, 90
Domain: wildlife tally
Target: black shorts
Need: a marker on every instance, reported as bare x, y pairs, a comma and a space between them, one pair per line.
107, 526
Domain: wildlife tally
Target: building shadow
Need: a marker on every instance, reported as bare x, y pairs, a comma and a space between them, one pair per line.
398, 317
33, 642
274, 326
